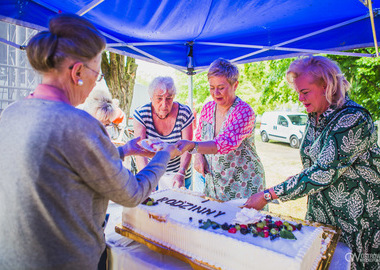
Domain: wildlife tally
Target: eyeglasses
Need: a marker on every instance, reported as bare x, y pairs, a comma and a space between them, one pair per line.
98, 74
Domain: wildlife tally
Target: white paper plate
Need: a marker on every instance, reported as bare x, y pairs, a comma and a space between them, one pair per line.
147, 144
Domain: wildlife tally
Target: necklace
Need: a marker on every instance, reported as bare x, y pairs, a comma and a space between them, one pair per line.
162, 118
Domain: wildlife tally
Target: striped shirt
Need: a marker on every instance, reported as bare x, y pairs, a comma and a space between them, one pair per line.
185, 117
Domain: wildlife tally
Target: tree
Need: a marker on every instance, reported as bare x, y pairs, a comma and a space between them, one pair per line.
261, 85
201, 92
264, 87
120, 75
268, 78
364, 75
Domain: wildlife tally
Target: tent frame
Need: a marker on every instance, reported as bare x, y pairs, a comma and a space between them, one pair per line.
113, 47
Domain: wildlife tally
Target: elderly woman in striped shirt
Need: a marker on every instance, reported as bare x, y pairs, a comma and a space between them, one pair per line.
169, 121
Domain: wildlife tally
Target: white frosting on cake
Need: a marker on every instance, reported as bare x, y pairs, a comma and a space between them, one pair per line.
169, 224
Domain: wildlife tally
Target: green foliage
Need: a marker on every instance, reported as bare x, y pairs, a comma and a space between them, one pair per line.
264, 87
287, 235
364, 75
268, 81
201, 93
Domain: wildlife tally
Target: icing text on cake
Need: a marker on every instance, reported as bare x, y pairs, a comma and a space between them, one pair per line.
190, 206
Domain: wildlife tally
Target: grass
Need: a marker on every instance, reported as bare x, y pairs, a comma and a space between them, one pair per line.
281, 161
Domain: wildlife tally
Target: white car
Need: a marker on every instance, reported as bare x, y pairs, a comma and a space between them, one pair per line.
283, 126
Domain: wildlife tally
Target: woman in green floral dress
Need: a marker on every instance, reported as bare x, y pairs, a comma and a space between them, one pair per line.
341, 161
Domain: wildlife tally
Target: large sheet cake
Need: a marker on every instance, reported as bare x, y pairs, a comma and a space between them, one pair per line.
174, 219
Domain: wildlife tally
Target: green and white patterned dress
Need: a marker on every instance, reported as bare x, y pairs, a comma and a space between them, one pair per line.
341, 161
236, 171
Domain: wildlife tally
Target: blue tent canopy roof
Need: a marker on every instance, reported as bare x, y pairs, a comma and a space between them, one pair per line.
240, 30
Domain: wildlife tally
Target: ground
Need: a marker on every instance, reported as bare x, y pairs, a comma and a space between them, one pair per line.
281, 161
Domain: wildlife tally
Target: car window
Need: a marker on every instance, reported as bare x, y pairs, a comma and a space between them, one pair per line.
298, 120
282, 121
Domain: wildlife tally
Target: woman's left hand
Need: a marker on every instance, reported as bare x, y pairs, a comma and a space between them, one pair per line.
185, 145
133, 148
256, 201
178, 180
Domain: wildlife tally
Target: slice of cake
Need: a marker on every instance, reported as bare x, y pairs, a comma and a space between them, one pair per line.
173, 219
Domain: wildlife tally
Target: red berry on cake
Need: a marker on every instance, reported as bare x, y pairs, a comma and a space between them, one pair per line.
278, 223
232, 230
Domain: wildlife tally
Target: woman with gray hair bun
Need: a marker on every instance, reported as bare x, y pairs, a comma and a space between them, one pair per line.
169, 121
58, 166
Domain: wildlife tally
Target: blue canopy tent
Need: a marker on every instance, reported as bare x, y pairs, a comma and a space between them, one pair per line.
189, 34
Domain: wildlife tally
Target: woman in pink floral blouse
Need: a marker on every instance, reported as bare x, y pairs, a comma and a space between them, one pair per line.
224, 150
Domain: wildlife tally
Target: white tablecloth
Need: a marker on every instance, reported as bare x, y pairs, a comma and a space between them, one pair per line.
124, 253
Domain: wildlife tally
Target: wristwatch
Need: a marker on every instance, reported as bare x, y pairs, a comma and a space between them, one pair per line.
267, 195
195, 149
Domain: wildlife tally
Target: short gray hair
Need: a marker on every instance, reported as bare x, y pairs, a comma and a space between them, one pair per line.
163, 83
100, 105
224, 68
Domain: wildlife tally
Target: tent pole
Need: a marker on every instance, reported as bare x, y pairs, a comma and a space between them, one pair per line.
373, 27
190, 72
136, 50
303, 37
10, 43
190, 85
88, 7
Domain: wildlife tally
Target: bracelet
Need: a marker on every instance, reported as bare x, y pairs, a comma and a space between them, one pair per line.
195, 149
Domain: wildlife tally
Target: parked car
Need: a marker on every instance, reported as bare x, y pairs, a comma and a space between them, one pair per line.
283, 126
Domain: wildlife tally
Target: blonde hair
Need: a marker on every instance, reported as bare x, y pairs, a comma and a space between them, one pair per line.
100, 105
324, 72
224, 68
69, 36
163, 83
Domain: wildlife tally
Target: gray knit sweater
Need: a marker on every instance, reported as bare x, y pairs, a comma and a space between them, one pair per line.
58, 169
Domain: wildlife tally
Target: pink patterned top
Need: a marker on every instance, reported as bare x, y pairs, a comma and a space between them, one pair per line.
236, 170
239, 125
